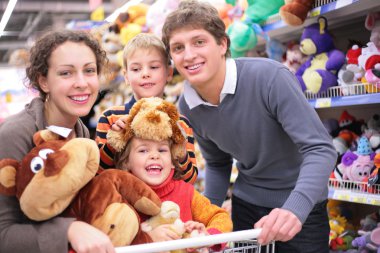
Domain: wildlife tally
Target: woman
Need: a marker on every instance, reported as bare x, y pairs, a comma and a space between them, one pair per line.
64, 68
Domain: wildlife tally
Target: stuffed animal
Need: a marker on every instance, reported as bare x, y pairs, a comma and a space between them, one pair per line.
318, 73
372, 23
169, 214
57, 178
356, 166
368, 242
294, 12
151, 117
351, 73
157, 12
294, 57
243, 33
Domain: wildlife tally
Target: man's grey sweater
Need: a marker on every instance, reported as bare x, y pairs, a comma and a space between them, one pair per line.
284, 154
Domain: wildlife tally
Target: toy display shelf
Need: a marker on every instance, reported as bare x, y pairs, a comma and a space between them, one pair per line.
337, 13
356, 192
356, 94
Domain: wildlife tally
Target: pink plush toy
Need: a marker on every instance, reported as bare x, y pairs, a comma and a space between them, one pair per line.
356, 166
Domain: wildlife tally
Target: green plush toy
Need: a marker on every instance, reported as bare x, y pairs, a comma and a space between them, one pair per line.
243, 33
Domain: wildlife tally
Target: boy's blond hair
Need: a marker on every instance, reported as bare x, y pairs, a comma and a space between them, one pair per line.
197, 15
145, 41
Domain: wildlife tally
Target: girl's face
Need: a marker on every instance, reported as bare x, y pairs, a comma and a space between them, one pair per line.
72, 82
150, 160
147, 73
197, 56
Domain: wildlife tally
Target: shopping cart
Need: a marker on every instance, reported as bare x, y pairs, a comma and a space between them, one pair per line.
240, 241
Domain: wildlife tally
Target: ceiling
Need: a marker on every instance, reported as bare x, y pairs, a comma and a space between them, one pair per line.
30, 18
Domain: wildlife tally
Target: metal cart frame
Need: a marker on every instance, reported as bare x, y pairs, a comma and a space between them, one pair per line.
240, 241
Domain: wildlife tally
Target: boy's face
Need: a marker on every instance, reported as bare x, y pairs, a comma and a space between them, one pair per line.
197, 56
147, 73
150, 160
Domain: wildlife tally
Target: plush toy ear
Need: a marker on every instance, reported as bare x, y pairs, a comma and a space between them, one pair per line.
8, 168
44, 136
322, 24
370, 21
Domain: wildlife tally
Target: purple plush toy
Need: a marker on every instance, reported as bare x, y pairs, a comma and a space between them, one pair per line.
318, 73
369, 242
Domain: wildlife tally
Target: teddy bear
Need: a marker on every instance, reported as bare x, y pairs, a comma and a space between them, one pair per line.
170, 214
294, 12
57, 177
318, 73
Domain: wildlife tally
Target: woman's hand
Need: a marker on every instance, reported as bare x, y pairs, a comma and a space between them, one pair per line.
85, 238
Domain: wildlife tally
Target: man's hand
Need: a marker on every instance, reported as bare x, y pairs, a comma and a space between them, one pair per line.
278, 225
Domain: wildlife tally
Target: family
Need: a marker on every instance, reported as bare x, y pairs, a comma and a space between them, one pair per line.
248, 109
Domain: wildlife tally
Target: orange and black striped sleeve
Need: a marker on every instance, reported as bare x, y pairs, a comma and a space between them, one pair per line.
189, 164
107, 153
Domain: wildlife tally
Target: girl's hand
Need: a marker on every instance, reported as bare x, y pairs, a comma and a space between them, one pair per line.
119, 124
193, 227
190, 226
85, 238
163, 233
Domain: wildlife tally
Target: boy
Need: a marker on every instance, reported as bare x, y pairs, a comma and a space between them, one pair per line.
147, 70
284, 154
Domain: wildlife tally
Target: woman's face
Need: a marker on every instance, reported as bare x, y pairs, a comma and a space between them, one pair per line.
71, 83
150, 160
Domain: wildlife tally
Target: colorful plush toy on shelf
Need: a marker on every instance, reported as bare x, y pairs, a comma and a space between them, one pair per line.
243, 33
294, 57
294, 12
356, 166
368, 242
57, 177
351, 73
318, 73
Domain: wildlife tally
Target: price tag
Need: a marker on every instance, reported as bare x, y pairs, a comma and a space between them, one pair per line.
315, 12
375, 202
323, 103
341, 196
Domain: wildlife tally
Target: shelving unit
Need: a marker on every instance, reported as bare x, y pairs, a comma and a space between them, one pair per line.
345, 21
349, 14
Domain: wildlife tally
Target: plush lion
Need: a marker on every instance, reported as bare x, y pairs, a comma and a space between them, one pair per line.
57, 177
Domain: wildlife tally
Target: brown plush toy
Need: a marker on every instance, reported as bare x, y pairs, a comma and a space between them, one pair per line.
151, 118
294, 12
57, 177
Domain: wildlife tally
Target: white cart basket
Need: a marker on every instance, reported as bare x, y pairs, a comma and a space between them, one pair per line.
240, 241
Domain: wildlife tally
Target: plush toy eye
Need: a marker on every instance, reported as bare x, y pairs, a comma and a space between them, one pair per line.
36, 164
44, 152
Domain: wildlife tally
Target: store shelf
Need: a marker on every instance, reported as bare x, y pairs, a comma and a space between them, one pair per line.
275, 21
356, 192
357, 94
338, 13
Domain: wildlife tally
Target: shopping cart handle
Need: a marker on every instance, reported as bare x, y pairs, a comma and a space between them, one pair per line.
196, 242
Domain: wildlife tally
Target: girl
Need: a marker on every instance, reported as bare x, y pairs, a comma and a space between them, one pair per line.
149, 147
